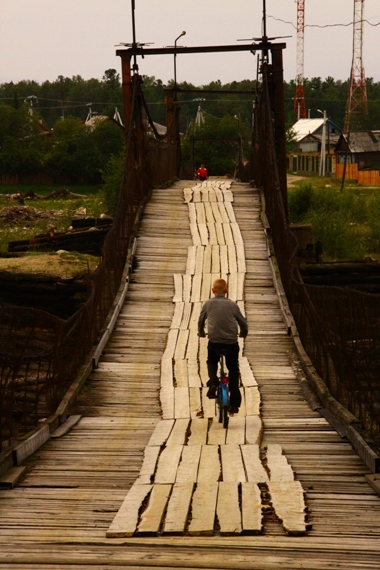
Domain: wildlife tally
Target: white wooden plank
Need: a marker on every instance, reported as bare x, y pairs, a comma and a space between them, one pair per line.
168, 465
287, 498
187, 281
236, 430
196, 310
203, 233
180, 349
186, 316
224, 259
209, 465
206, 286
232, 463
213, 236
171, 344
208, 405
208, 210
256, 473
232, 287
199, 258
206, 268
188, 195
228, 509
220, 234
197, 194
178, 434
203, 509
198, 431
192, 213
177, 316
166, 377
223, 212
178, 288
195, 234
216, 433
246, 374
252, 400
181, 374
152, 517
216, 212
161, 432
126, 519
240, 254
178, 508
278, 465
215, 259
196, 288
148, 467
195, 402
230, 212
192, 345
193, 374
188, 468
167, 402
200, 210
232, 261
236, 233
240, 287
253, 429
181, 403
190, 262
252, 517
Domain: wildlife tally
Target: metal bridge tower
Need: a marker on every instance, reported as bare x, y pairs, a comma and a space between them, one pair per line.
299, 99
357, 95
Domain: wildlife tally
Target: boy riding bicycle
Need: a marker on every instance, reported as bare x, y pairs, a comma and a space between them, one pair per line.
224, 320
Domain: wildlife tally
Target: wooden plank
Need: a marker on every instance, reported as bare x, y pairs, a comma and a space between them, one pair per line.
195, 402
207, 405
228, 509
171, 344
181, 403
152, 517
64, 428
287, 498
148, 467
236, 233
187, 194
193, 374
224, 267
192, 346
215, 259
181, 373
168, 465
278, 465
216, 212
240, 253
178, 508
178, 434
187, 282
12, 477
195, 234
177, 316
213, 236
252, 518
178, 288
232, 260
232, 463
206, 268
203, 509
254, 468
236, 430
125, 522
200, 211
191, 257
232, 287
203, 233
192, 213
196, 288
208, 211
199, 259
161, 432
252, 400
246, 374
209, 465
180, 349
167, 402
216, 434
198, 432
206, 286
166, 375
240, 287
196, 310
188, 468
186, 316
29, 446
223, 212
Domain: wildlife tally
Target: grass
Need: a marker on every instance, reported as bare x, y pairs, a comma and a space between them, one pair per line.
20, 223
346, 222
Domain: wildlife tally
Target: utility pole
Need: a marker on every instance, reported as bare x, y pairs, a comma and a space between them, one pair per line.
299, 99
322, 166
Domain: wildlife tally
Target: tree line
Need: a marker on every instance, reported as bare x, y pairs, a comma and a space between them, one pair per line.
63, 105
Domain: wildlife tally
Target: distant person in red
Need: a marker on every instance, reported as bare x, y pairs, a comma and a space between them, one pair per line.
202, 173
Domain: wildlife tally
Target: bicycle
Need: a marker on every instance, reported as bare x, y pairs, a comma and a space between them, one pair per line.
223, 395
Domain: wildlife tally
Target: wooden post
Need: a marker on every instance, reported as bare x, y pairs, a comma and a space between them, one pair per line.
279, 121
127, 88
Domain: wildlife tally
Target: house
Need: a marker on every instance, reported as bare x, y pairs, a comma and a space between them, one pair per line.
305, 158
361, 152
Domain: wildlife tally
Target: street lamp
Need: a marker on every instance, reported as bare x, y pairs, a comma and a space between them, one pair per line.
322, 168
175, 67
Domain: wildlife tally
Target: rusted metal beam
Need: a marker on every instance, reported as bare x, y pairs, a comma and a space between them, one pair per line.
171, 50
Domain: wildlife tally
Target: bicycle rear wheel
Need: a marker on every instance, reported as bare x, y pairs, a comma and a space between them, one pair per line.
225, 417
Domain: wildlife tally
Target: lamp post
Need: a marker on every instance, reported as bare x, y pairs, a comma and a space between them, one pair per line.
175, 66
322, 168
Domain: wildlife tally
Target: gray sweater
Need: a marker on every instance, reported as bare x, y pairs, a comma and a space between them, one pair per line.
223, 320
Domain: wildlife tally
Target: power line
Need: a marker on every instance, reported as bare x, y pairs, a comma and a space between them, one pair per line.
326, 25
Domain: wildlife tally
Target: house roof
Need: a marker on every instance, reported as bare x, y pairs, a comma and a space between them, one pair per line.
305, 127
364, 141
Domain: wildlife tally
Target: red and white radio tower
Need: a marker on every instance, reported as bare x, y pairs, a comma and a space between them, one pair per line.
299, 99
357, 96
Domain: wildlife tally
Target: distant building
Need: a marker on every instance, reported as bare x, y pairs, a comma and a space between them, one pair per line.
361, 152
305, 158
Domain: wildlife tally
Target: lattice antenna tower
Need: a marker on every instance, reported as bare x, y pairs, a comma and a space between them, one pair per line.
299, 99
357, 96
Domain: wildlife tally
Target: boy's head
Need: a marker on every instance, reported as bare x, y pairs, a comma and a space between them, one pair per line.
219, 287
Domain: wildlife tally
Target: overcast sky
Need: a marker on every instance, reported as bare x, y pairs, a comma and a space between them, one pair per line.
42, 39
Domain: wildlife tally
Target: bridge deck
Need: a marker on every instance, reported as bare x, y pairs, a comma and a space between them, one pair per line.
76, 489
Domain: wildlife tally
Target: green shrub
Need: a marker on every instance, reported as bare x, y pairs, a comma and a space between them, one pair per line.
299, 202
112, 177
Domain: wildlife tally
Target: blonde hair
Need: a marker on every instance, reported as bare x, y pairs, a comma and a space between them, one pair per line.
219, 286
